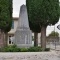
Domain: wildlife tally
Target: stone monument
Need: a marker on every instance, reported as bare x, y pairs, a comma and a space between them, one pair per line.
23, 34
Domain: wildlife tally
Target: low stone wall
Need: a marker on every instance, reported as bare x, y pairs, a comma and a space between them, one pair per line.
30, 56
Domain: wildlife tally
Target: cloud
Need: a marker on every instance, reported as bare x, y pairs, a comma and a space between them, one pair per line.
16, 7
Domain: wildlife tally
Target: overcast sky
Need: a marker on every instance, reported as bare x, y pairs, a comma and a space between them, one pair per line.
16, 9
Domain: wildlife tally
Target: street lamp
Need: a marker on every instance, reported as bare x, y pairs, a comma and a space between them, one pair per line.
55, 36
59, 29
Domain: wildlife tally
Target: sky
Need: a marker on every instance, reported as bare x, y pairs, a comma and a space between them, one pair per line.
16, 10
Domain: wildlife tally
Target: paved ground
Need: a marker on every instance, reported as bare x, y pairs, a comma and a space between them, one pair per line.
52, 55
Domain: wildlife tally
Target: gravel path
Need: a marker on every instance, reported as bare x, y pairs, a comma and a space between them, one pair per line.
53, 55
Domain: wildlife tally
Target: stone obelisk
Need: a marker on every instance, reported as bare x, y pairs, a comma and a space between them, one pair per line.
23, 34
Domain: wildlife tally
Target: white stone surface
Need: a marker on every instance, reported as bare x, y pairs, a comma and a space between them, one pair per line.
30, 56
12, 31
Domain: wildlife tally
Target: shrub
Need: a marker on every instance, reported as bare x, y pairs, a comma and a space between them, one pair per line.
35, 49
24, 49
12, 48
47, 49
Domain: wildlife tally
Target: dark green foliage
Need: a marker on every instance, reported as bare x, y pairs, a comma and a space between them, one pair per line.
35, 49
11, 49
34, 27
24, 50
43, 12
14, 48
47, 49
54, 34
10, 20
5, 15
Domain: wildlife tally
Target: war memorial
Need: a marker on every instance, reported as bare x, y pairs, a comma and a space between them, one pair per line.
23, 34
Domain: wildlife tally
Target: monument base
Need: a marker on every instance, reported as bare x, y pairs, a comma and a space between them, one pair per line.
24, 45
23, 37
